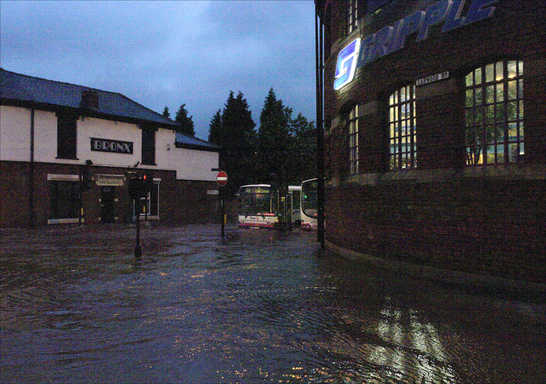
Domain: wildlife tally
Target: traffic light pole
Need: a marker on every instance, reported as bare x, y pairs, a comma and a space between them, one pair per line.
222, 209
138, 249
221, 179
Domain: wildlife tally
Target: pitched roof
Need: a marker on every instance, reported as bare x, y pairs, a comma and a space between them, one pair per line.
184, 141
33, 90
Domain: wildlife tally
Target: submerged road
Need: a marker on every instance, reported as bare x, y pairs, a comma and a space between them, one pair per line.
262, 307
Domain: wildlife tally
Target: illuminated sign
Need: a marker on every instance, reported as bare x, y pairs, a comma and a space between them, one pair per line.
346, 64
393, 37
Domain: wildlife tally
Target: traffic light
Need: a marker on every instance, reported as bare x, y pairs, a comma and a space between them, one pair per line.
147, 182
139, 186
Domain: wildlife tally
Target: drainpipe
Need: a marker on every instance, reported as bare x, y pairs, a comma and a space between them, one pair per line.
320, 131
31, 170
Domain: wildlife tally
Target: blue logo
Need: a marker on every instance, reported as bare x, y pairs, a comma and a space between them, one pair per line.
346, 64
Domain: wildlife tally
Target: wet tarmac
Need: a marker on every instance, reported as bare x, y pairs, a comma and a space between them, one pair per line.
261, 307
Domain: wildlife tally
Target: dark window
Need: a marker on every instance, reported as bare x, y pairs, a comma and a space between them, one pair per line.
352, 132
351, 15
148, 146
402, 129
494, 119
64, 199
66, 136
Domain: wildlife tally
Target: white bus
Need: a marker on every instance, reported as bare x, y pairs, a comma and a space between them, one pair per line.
309, 204
259, 206
294, 204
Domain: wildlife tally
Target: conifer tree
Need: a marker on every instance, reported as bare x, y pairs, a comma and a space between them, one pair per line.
215, 128
286, 145
186, 123
274, 140
234, 131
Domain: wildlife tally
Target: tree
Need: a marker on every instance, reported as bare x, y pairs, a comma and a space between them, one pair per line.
166, 113
185, 122
215, 128
303, 151
234, 131
274, 140
287, 150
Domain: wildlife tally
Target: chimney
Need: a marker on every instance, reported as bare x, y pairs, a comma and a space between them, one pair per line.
90, 100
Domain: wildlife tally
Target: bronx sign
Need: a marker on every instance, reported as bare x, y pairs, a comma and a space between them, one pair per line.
360, 52
105, 145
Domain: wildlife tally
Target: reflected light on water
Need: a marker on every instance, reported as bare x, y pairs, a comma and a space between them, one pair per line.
411, 349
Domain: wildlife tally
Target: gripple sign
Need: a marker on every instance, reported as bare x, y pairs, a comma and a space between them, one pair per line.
392, 38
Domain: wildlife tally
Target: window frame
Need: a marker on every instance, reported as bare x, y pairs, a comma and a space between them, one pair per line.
74, 202
67, 136
148, 146
149, 202
351, 16
352, 121
402, 129
494, 105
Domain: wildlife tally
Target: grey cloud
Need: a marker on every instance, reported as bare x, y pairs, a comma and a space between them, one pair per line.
168, 53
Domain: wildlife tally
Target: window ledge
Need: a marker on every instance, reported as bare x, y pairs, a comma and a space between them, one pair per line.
149, 218
507, 172
65, 221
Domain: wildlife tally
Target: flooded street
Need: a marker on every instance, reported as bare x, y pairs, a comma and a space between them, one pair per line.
261, 307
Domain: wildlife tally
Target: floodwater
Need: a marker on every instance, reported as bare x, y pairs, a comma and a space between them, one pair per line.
261, 307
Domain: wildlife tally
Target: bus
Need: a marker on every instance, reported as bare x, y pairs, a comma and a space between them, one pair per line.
294, 204
309, 204
259, 206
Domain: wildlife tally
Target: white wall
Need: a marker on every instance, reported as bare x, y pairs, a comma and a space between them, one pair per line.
189, 164
14, 133
192, 164
89, 127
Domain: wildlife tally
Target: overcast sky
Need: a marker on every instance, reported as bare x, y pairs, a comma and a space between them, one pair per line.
168, 53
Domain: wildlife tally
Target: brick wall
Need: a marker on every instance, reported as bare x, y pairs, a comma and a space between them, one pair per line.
180, 202
441, 214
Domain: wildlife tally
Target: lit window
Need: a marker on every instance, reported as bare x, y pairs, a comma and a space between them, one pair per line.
352, 132
149, 204
352, 15
402, 129
494, 127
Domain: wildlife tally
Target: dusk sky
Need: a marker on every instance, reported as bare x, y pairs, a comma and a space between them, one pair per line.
168, 53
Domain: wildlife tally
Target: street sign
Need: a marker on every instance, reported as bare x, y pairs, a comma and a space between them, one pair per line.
221, 178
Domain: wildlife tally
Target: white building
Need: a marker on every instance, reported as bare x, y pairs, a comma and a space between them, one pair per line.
66, 152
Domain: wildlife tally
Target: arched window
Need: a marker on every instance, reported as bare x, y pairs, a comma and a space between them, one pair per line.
494, 127
352, 138
402, 129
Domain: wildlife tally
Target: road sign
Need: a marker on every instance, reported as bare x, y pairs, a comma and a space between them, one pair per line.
221, 178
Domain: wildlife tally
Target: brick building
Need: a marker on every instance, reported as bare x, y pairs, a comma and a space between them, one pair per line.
67, 151
434, 130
